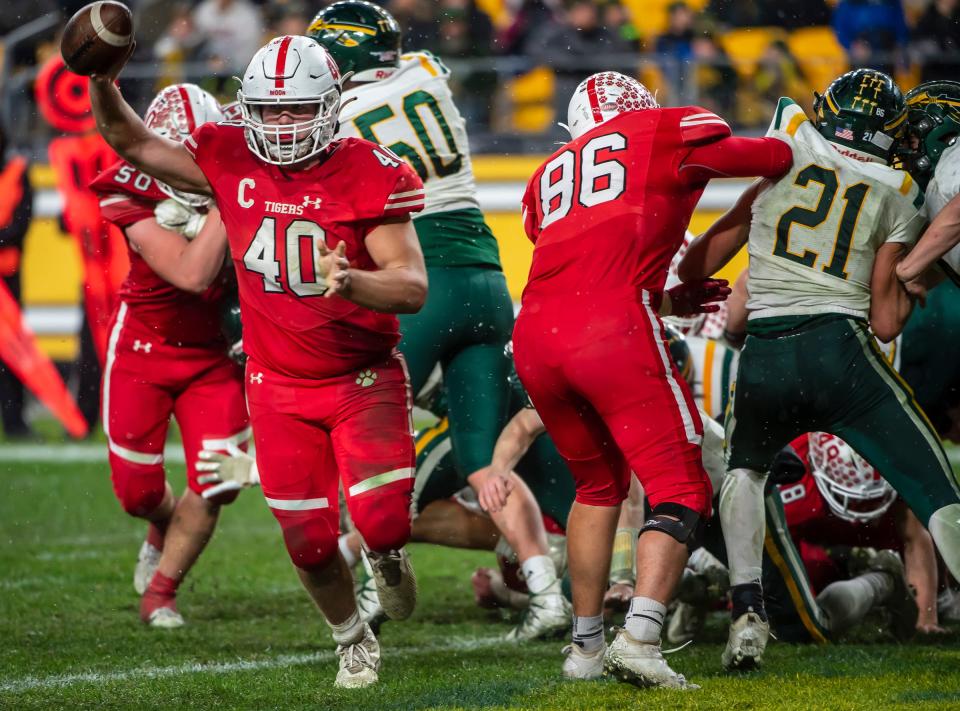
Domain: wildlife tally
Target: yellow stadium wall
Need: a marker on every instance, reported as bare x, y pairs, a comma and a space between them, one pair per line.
52, 272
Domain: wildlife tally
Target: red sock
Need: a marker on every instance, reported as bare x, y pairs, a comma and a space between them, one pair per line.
162, 592
156, 533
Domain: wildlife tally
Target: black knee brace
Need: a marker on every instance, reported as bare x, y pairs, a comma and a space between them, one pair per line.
675, 520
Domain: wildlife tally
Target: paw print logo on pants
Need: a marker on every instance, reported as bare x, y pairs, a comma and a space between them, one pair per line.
366, 378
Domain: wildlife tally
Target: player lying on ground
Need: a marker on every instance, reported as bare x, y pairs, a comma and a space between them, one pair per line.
405, 103
325, 254
813, 293
166, 357
607, 212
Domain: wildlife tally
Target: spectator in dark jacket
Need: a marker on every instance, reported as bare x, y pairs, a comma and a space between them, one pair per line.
874, 32
936, 39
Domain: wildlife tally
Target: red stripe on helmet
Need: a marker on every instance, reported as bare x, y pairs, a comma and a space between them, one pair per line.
187, 109
281, 61
594, 101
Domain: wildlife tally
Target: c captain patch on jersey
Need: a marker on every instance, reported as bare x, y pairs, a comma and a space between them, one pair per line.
816, 231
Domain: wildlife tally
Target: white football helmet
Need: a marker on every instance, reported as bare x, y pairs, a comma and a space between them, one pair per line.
290, 70
175, 113
603, 96
853, 489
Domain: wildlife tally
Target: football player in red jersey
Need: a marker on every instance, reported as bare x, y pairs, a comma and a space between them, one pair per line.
606, 213
165, 356
325, 254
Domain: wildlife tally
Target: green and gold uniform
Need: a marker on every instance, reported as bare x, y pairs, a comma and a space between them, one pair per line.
468, 316
810, 363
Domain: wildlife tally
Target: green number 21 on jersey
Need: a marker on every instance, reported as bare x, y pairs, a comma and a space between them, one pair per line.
853, 198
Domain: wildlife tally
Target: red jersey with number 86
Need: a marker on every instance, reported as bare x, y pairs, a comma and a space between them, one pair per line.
276, 218
608, 211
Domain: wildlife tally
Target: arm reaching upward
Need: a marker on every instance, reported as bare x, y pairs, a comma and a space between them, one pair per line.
126, 133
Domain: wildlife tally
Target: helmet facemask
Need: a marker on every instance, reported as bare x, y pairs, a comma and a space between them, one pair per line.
852, 488
289, 144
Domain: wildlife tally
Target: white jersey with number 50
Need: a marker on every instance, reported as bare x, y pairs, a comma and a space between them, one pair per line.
816, 231
412, 113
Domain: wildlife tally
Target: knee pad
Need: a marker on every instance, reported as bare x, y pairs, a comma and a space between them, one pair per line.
383, 521
310, 536
139, 488
676, 520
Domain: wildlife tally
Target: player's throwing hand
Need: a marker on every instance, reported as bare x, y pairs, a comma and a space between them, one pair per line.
233, 471
334, 267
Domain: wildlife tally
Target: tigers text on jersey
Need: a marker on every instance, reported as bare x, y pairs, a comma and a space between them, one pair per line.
128, 196
411, 111
276, 218
816, 231
943, 187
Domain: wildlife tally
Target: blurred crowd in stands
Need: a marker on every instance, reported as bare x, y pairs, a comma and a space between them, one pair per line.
516, 61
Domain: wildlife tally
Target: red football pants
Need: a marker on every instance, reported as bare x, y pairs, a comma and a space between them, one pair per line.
145, 381
601, 377
313, 434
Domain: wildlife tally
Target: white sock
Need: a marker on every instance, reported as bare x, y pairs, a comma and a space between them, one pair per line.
541, 575
644, 619
743, 521
349, 631
348, 555
588, 632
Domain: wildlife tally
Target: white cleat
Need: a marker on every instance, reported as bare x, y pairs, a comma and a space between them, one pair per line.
165, 618
641, 664
546, 617
395, 581
583, 666
359, 662
147, 561
747, 641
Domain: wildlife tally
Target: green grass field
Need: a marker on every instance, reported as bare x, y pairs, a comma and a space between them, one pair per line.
71, 637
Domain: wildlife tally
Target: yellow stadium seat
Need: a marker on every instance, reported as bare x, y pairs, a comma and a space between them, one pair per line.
531, 96
650, 16
746, 46
496, 9
820, 56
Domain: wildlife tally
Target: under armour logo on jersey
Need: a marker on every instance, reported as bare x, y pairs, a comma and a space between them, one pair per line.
256, 378
139, 345
311, 202
366, 378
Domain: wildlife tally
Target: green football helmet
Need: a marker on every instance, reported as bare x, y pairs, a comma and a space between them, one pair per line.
863, 110
232, 327
933, 123
363, 38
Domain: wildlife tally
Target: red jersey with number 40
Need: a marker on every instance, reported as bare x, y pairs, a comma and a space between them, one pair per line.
608, 211
276, 218
128, 196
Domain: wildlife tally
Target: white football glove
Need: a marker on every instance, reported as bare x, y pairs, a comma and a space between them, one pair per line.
233, 471
176, 216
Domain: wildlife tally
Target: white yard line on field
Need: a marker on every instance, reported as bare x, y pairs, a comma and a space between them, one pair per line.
66, 453
59, 681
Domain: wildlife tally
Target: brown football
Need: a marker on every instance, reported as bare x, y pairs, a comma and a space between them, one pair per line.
97, 36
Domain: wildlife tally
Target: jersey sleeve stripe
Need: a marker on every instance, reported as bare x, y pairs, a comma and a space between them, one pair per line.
716, 121
795, 121
706, 114
190, 145
409, 193
398, 205
906, 185
113, 200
